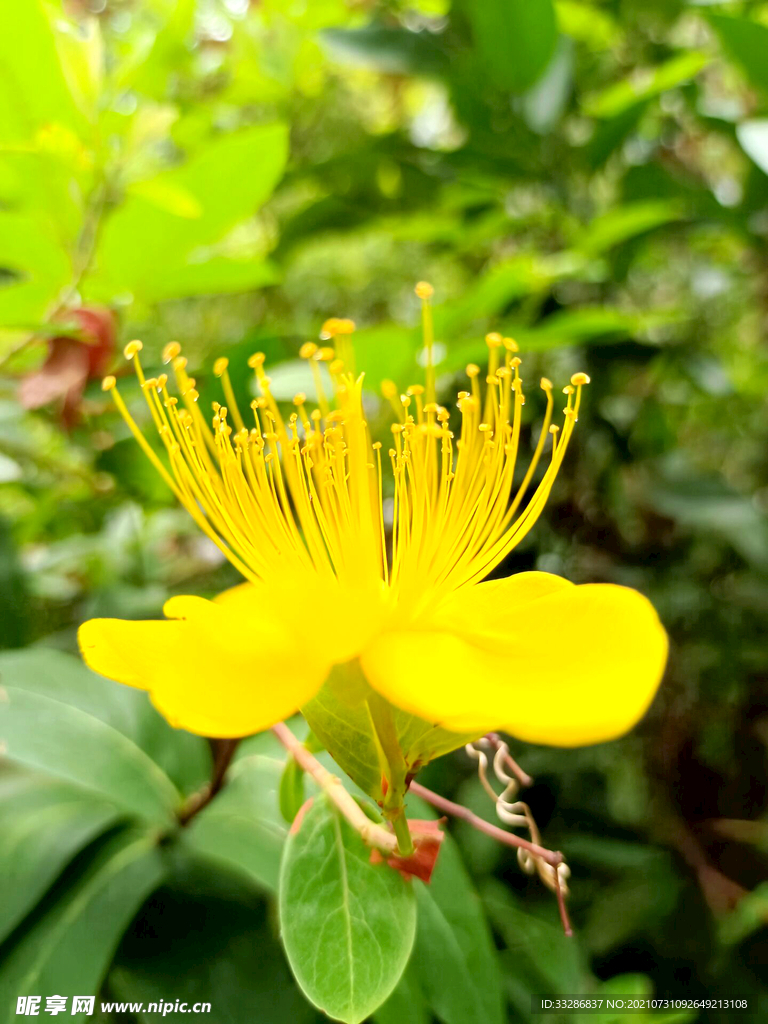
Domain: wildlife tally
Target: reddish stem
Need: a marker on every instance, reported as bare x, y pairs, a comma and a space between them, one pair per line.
552, 857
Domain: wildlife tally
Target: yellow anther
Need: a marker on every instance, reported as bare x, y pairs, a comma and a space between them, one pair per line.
108, 383
424, 290
554, 429
493, 340
191, 394
150, 383
431, 407
515, 361
415, 389
220, 366
132, 348
256, 360
396, 428
510, 345
389, 389
171, 350
579, 379
376, 445
473, 370
300, 398
569, 389
545, 384
336, 325
336, 366
307, 350
180, 362
485, 427
325, 354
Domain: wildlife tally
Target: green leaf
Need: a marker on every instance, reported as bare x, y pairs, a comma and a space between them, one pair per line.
44, 730
184, 758
348, 925
545, 959
43, 824
67, 949
209, 273
454, 958
406, 1004
391, 51
587, 24
643, 84
32, 252
747, 917
35, 92
292, 794
158, 250
624, 222
515, 39
589, 323
203, 937
242, 827
747, 43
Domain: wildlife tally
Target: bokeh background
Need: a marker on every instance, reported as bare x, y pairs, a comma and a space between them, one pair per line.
588, 177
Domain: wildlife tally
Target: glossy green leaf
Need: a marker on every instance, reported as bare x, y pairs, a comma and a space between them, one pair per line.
515, 39
43, 824
746, 41
454, 957
184, 758
242, 828
43, 730
347, 925
644, 83
158, 250
67, 948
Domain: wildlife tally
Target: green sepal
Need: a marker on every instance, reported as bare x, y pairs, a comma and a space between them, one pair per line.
339, 717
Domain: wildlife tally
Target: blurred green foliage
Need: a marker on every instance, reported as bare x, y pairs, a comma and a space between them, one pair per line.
590, 177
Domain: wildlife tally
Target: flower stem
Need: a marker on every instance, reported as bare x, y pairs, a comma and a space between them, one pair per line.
394, 768
224, 751
372, 834
552, 857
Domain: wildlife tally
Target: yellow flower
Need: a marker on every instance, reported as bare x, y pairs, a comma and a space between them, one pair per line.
299, 505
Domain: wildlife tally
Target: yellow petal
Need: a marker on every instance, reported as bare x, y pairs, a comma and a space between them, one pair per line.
224, 668
532, 655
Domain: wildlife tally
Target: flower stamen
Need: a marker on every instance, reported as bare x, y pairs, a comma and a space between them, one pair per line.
302, 496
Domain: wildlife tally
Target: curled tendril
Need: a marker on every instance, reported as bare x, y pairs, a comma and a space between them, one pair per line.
512, 812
